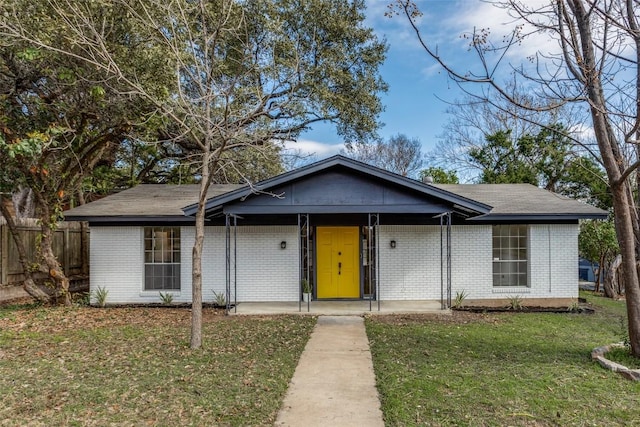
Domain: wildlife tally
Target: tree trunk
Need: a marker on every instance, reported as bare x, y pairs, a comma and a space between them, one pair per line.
196, 273
28, 284
60, 280
196, 280
598, 272
616, 272
626, 239
613, 161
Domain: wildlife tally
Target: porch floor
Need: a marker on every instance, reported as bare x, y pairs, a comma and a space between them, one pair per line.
337, 308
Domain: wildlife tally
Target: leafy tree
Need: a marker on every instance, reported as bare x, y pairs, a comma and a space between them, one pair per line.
595, 68
501, 161
248, 165
246, 74
472, 119
400, 154
439, 175
597, 242
58, 119
547, 159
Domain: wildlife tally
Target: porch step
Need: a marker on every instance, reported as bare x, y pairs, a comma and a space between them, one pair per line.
339, 308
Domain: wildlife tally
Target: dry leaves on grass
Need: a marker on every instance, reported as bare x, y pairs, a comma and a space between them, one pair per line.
59, 319
130, 366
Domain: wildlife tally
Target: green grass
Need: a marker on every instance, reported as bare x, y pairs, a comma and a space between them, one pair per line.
87, 366
527, 369
623, 356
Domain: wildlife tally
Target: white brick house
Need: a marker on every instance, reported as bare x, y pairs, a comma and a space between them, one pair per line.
351, 230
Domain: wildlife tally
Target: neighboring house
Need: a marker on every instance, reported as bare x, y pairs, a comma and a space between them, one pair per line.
352, 230
586, 270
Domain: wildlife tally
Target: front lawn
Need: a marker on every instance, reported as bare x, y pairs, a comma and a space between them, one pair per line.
523, 369
132, 366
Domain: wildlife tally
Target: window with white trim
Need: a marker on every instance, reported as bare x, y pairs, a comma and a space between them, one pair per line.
510, 255
161, 258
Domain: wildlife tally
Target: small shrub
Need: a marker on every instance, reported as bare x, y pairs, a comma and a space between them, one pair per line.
82, 299
624, 334
574, 307
100, 295
515, 302
306, 286
167, 298
219, 299
458, 301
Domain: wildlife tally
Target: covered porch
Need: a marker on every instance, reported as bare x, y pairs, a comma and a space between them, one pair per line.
339, 208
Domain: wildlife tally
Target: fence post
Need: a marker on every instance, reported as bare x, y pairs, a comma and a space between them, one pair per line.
66, 250
84, 247
4, 254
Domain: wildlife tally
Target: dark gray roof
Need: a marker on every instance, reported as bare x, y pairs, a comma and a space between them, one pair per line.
482, 202
513, 201
146, 200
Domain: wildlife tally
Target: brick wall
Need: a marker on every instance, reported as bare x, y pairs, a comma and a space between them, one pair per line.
116, 263
410, 271
265, 272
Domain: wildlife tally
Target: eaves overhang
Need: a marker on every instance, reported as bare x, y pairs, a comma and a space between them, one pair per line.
557, 217
131, 219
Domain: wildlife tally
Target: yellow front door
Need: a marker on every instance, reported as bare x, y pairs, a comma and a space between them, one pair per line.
338, 262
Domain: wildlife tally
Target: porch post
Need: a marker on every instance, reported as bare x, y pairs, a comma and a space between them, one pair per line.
235, 264
304, 270
448, 259
445, 257
372, 254
227, 250
376, 230
369, 258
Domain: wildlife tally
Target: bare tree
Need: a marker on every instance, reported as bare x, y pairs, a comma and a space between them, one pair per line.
400, 154
596, 67
246, 73
472, 120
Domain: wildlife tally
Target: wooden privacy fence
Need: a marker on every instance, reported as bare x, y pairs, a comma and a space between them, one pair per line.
70, 245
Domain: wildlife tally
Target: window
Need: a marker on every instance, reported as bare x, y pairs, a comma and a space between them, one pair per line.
161, 258
510, 255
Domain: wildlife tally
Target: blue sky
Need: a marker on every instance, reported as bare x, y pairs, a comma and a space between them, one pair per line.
417, 85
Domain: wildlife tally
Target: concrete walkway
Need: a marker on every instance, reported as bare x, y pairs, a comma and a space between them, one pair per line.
334, 384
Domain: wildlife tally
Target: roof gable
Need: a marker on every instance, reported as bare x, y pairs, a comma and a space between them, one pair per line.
340, 185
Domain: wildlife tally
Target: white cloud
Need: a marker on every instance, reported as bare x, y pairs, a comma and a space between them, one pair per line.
316, 149
501, 21
395, 29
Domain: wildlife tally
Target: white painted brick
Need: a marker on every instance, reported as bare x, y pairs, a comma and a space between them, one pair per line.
411, 271
265, 272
